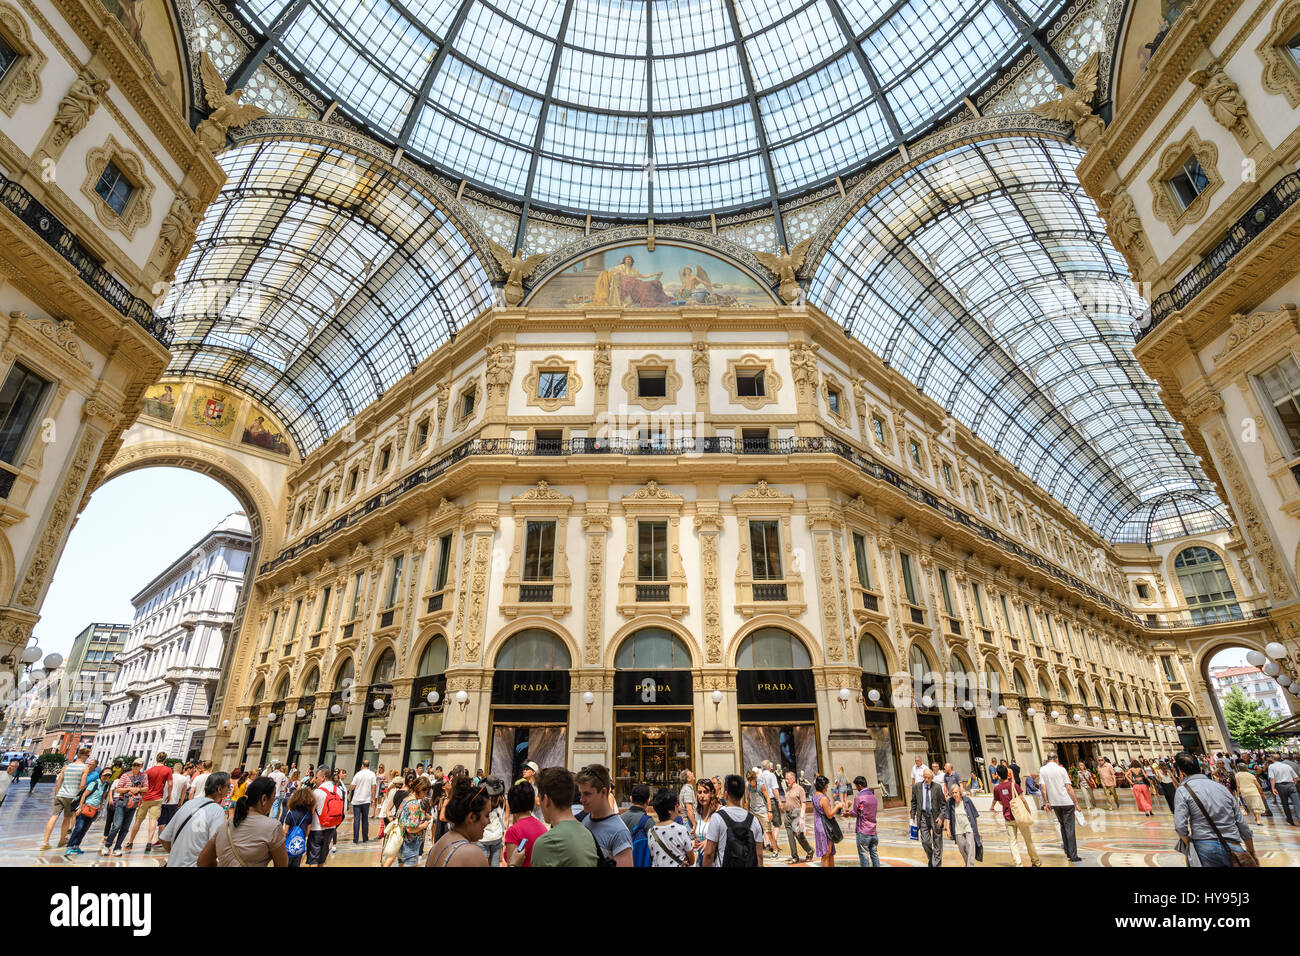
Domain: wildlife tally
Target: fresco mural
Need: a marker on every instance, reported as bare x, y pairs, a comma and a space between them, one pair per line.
1148, 23
632, 277
211, 412
148, 23
262, 431
160, 401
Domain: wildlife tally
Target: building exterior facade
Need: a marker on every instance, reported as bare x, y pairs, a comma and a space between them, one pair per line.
89, 672
168, 670
1254, 684
101, 183
27, 712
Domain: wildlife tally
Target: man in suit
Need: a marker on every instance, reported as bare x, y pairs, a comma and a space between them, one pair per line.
928, 810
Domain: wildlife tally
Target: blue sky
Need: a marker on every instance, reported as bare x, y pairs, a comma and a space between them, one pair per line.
131, 530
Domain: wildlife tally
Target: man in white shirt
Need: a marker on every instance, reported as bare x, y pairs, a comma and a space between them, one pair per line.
918, 771
199, 782
1282, 779
770, 787
196, 822
362, 790
1058, 796
281, 780
715, 834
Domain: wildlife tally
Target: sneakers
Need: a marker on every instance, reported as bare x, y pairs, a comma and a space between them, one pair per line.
117, 853
103, 851
45, 846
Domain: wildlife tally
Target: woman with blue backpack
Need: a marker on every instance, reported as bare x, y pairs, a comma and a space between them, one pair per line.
297, 823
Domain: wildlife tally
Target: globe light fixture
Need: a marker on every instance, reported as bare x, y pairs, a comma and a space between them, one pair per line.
927, 701
335, 709
225, 724
1002, 710
1255, 658
300, 713
247, 721
873, 695
432, 698
54, 660
271, 717
377, 703
1029, 711
1056, 714
37, 674
1275, 650
1272, 668
588, 698
845, 696
31, 654
462, 699
1096, 719
969, 705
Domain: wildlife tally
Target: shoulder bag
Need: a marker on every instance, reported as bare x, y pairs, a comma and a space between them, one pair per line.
1242, 858
1021, 812
832, 826
654, 832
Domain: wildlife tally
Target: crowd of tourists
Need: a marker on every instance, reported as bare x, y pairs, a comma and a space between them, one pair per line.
195, 816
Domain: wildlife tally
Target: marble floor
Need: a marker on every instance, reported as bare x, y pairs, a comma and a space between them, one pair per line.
1113, 838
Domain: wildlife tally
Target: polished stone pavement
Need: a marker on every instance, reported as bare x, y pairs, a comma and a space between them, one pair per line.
1113, 838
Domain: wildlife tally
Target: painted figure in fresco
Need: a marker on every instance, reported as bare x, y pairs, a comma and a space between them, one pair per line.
695, 283
161, 406
256, 433
624, 287
130, 13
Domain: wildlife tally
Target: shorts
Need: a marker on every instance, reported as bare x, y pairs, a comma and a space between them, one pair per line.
150, 808
168, 811
318, 846
764, 821
66, 805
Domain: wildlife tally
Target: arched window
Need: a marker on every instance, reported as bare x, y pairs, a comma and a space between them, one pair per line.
1205, 583
312, 683
652, 648
918, 663
1019, 683
256, 696
434, 659
534, 650
346, 674
1044, 688
871, 656
282, 688
384, 668
1177, 710
772, 648
991, 680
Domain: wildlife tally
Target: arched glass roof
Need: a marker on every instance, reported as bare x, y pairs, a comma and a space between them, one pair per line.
985, 276
648, 107
318, 279
1176, 515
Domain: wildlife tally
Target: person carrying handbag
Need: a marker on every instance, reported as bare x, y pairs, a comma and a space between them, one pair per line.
1017, 815
1208, 820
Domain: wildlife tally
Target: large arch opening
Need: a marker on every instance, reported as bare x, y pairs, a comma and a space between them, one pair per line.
165, 553
1237, 689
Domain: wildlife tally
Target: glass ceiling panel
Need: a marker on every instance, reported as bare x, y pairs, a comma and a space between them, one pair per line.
317, 281
1000, 296
463, 85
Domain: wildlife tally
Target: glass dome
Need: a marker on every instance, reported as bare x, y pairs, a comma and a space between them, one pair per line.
640, 108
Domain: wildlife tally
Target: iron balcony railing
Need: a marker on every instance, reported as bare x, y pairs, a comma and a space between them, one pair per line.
59, 238
705, 446
1259, 217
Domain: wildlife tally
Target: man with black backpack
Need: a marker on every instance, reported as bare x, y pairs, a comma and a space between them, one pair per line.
734, 836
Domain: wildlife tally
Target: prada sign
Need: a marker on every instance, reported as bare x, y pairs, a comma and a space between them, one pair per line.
775, 687
530, 688
652, 689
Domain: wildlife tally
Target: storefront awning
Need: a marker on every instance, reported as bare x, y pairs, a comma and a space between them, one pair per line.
1078, 735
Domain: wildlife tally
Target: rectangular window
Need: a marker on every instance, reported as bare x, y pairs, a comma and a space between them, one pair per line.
1189, 182
914, 450
270, 629
421, 434
947, 592
860, 559
1002, 512
1029, 623
548, 441
539, 550
651, 439
1144, 591
394, 581
552, 384
750, 383
652, 383
291, 635
324, 501
21, 399
833, 401
467, 404
909, 586
1281, 386
114, 188
1020, 525
947, 475
1006, 614
357, 582
1167, 665
324, 609
8, 57
765, 550
353, 476
385, 457
978, 595
444, 562
652, 551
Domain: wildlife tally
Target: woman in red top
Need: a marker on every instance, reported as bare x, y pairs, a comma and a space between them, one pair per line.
526, 828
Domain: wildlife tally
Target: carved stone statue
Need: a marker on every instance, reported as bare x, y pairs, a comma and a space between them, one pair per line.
601, 365
500, 366
176, 232
1122, 220
700, 365
784, 266
227, 111
1221, 95
1075, 105
803, 365
77, 106
517, 269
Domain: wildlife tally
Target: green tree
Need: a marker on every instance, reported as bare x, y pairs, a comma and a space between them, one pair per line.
1246, 720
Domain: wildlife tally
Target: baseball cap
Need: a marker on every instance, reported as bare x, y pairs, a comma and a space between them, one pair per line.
530, 765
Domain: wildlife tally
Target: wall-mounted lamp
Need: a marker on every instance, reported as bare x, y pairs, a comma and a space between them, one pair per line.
845, 695
462, 699
336, 709
432, 697
247, 721
588, 698
717, 699
377, 703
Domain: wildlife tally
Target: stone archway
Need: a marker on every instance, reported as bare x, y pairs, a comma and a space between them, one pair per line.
260, 503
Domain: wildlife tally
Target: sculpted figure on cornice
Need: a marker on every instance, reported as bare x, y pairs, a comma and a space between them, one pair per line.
1221, 95
77, 107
